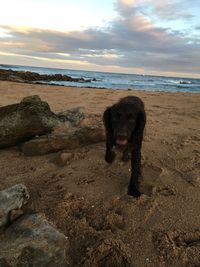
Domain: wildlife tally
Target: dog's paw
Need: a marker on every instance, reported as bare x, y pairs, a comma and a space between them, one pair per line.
134, 192
110, 157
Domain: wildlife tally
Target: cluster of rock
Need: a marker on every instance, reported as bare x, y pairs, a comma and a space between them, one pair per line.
32, 125
28, 239
28, 76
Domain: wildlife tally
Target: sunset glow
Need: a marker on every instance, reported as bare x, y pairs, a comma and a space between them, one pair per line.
134, 36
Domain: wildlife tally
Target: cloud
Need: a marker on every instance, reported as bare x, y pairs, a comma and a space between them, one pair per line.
171, 10
131, 41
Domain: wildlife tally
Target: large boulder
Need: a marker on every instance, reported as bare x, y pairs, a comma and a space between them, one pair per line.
69, 140
11, 201
23, 121
32, 241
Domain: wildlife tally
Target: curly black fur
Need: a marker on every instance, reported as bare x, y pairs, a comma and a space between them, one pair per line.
124, 123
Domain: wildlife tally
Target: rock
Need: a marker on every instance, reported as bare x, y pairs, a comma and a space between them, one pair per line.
108, 253
49, 144
66, 158
32, 98
23, 121
14, 78
56, 142
74, 116
32, 241
11, 201
90, 135
28, 76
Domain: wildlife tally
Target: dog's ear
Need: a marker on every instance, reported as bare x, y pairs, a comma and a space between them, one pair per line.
107, 120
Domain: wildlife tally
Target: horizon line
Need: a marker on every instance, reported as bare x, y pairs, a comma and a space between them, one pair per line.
114, 72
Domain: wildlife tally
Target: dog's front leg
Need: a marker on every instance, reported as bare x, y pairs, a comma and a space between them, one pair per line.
133, 187
110, 154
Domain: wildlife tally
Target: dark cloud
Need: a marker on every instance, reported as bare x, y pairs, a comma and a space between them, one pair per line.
129, 41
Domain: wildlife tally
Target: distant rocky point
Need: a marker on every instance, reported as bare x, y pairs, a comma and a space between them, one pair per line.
28, 76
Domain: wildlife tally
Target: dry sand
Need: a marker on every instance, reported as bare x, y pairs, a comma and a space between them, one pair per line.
87, 198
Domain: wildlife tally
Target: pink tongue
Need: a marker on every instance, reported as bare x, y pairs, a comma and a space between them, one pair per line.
121, 142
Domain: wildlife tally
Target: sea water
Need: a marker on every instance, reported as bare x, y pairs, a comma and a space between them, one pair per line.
117, 80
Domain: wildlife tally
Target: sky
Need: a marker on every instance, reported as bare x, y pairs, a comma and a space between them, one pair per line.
156, 37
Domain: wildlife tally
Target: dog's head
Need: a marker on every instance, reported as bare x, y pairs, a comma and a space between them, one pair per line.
124, 120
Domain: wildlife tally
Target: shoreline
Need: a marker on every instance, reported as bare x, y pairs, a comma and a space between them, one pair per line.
98, 88
102, 80
8, 66
101, 88
104, 88
13, 91
92, 98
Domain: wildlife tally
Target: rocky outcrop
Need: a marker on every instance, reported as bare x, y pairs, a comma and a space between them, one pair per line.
69, 140
28, 76
32, 241
20, 122
36, 128
11, 202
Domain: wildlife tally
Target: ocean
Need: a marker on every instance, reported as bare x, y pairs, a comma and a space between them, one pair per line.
117, 80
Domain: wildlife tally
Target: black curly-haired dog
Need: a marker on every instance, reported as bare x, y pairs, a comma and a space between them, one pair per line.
124, 123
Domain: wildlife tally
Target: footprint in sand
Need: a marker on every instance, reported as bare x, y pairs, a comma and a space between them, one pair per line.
179, 247
151, 178
53, 185
163, 191
108, 252
85, 180
193, 178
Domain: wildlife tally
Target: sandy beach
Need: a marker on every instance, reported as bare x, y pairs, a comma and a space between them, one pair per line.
87, 198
